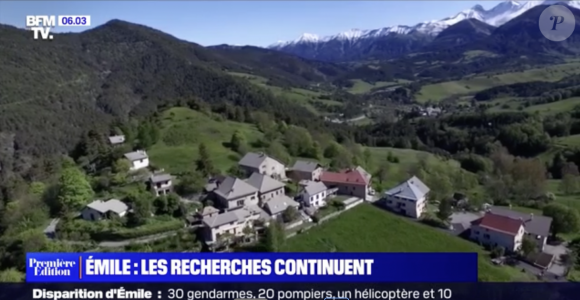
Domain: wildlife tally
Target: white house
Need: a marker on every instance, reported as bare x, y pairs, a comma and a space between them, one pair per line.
498, 231
314, 194
408, 198
99, 209
228, 224
161, 184
263, 164
117, 140
139, 159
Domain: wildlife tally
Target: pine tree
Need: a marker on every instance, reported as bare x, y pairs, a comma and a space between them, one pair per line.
204, 163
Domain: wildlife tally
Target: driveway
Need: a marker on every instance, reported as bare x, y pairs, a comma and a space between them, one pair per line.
462, 221
557, 268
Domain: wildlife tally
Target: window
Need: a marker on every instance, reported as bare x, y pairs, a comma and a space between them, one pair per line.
486, 236
240, 203
476, 232
253, 198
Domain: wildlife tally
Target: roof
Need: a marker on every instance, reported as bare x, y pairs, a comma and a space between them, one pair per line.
208, 210
113, 205
232, 188
238, 215
254, 160
136, 155
315, 187
499, 223
117, 139
412, 189
160, 177
537, 225
221, 219
350, 176
306, 166
280, 204
264, 183
365, 174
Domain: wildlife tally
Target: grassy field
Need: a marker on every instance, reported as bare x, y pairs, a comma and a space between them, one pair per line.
477, 83
299, 95
184, 129
370, 229
361, 87
571, 141
407, 157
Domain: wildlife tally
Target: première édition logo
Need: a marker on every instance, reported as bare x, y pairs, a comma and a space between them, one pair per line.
58, 267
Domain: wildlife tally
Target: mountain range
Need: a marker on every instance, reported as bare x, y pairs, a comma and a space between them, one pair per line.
389, 42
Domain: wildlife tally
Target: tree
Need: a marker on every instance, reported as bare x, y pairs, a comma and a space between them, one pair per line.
237, 142
11, 275
277, 150
528, 246
382, 173
121, 166
274, 239
564, 219
204, 163
569, 184
74, 189
190, 183
367, 157
290, 214
445, 209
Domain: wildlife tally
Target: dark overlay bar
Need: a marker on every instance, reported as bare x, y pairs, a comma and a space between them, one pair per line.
293, 291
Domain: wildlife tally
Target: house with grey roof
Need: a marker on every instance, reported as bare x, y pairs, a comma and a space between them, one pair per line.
227, 225
268, 187
138, 159
314, 194
278, 205
408, 198
535, 227
98, 209
161, 184
234, 193
306, 170
261, 163
117, 140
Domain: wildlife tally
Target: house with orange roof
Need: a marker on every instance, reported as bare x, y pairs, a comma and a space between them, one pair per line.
354, 182
496, 230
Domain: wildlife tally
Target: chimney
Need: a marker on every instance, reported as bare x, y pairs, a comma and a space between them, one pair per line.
531, 216
510, 206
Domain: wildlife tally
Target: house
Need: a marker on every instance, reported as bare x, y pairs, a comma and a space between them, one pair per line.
138, 159
353, 182
208, 211
98, 210
268, 187
263, 164
161, 184
234, 193
409, 197
306, 170
498, 231
117, 140
228, 224
314, 194
278, 205
213, 183
536, 227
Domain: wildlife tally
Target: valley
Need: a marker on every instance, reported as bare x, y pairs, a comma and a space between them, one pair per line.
477, 107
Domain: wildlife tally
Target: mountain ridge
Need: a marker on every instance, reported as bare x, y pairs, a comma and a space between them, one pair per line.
359, 43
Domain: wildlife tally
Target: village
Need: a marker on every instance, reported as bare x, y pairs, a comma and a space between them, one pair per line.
236, 210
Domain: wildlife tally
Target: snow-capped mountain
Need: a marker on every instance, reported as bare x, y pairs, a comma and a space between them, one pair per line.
345, 45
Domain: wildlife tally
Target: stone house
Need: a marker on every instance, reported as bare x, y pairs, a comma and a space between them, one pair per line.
262, 164
234, 193
306, 170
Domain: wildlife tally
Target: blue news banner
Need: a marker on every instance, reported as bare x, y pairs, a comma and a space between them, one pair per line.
280, 276
251, 267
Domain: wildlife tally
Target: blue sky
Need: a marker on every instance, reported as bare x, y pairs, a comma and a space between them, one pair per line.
258, 23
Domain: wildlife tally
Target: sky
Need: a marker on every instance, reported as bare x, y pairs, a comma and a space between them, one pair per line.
258, 23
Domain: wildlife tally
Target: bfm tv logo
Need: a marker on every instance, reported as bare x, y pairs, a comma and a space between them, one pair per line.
41, 25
